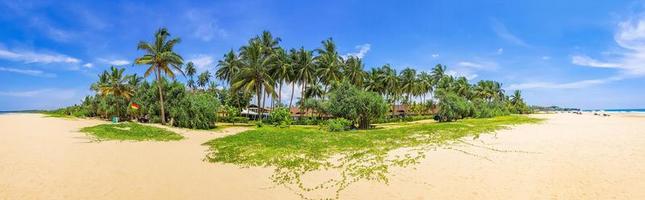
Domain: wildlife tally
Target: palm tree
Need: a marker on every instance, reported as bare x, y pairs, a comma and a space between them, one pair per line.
373, 81
254, 74
314, 90
408, 82
391, 83
424, 84
203, 79
228, 67
329, 63
162, 59
190, 71
282, 69
354, 71
305, 70
516, 98
117, 86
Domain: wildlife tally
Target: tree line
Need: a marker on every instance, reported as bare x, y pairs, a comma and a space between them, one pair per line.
261, 68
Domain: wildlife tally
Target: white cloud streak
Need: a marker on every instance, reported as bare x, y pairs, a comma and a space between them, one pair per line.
119, 62
203, 62
34, 57
362, 51
29, 72
568, 85
502, 32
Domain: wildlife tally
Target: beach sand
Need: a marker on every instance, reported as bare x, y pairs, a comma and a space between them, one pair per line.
566, 157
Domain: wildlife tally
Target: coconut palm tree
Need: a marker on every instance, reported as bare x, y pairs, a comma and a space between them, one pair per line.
314, 90
117, 86
228, 67
190, 71
329, 63
516, 98
254, 73
424, 81
305, 70
373, 81
408, 79
203, 79
282, 69
354, 71
161, 58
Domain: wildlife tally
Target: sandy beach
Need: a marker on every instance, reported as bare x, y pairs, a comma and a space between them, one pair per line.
566, 157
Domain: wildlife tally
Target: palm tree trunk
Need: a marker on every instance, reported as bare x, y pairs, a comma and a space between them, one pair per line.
280, 94
302, 98
293, 89
159, 85
258, 93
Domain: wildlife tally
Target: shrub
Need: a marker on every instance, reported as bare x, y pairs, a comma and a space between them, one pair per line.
240, 120
196, 110
337, 124
259, 124
349, 102
281, 117
453, 107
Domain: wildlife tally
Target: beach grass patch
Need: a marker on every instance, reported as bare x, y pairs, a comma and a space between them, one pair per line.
130, 131
356, 155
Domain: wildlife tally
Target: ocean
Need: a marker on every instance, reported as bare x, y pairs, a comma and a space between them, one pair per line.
19, 111
636, 110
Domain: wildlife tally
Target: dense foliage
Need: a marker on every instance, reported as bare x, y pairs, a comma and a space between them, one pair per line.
337, 124
330, 86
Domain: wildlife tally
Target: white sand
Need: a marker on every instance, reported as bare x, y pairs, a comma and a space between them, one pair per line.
567, 157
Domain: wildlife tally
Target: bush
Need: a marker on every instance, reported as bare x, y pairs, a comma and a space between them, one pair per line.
196, 110
281, 117
349, 102
337, 125
240, 120
453, 107
259, 124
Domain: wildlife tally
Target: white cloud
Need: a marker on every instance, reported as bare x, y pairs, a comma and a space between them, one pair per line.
500, 51
630, 35
362, 50
88, 65
34, 57
502, 32
587, 61
50, 93
469, 69
203, 62
204, 26
119, 62
546, 58
568, 85
435, 55
29, 72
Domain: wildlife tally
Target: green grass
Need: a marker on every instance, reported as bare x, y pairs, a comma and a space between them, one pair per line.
356, 155
130, 131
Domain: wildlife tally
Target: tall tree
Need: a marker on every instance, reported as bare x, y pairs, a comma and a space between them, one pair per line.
229, 67
190, 71
254, 71
408, 79
282, 69
203, 79
161, 58
354, 71
117, 86
306, 70
329, 63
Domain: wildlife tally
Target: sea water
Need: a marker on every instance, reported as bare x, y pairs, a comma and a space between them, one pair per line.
635, 110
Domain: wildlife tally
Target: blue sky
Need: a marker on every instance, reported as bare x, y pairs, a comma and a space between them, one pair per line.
587, 54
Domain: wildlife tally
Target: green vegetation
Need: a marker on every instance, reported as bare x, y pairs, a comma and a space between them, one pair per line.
356, 155
337, 125
331, 86
130, 131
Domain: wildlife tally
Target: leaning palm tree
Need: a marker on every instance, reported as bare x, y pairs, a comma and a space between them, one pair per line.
190, 71
424, 85
391, 83
117, 86
254, 75
162, 59
203, 79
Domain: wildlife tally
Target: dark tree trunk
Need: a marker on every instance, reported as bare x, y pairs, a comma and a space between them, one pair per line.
159, 85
